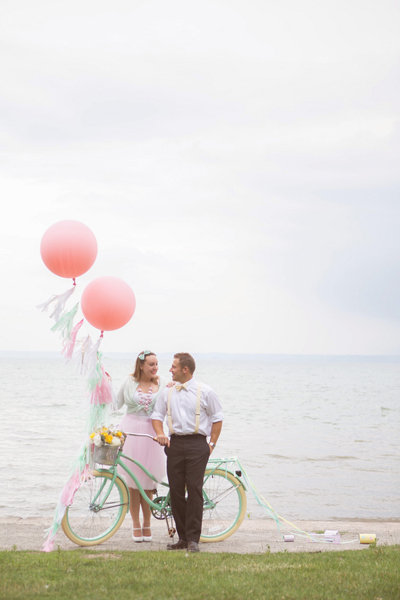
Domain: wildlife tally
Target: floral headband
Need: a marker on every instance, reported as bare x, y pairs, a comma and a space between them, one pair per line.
143, 355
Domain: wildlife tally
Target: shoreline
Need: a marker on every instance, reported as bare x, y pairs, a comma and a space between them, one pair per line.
253, 536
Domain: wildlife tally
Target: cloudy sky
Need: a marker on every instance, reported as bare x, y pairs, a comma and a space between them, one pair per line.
238, 163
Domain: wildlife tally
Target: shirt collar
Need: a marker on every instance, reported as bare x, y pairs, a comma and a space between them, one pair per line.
188, 384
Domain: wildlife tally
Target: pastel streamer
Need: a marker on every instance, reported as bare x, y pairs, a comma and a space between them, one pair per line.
101, 400
79, 358
95, 375
102, 393
91, 363
69, 344
279, 520
64, 324
59, 302
81, 472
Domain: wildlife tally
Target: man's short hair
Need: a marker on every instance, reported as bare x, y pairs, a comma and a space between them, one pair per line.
186, 360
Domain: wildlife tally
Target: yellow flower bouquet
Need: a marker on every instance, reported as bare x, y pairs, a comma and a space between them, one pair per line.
106, 441
110, 436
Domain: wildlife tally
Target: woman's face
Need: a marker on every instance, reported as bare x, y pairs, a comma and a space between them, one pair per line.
149, 367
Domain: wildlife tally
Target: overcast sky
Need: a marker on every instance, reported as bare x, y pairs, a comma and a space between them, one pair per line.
237, 161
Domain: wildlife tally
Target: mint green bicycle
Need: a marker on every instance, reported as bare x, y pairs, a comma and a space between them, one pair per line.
100, 504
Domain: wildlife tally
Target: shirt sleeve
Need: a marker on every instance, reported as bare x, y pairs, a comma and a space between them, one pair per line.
160, 407
214, 407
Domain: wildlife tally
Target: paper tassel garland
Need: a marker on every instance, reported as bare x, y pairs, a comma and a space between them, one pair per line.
59, 302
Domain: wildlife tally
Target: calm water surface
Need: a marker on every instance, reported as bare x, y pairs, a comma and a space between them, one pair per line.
319, 436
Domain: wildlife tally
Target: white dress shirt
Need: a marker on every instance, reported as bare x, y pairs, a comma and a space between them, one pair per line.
183, 408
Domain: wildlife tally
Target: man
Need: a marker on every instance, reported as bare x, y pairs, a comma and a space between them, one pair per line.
193, 413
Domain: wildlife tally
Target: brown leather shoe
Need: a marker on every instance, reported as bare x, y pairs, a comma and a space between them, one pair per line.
180, 545
193, 547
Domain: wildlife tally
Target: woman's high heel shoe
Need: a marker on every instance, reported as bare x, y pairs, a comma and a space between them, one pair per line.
137, 538
147, 538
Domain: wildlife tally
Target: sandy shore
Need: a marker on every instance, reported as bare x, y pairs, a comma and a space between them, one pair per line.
253, 536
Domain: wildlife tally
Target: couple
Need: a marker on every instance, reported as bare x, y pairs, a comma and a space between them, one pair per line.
193, 413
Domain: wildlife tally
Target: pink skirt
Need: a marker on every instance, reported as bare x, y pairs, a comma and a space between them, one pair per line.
149, 453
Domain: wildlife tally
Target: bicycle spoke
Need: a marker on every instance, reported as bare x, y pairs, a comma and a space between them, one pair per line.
98, 508
224, 505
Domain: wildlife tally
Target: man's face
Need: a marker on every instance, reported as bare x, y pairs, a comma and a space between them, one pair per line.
178, 374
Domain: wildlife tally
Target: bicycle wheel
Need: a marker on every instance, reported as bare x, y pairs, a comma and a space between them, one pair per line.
84, 522
224, 505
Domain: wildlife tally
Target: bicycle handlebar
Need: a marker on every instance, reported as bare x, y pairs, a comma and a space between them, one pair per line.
141, 435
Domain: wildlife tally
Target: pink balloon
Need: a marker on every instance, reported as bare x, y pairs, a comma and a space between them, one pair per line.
108, 303
68, 248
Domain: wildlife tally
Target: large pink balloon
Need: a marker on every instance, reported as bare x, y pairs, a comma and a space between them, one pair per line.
68, 248
108, 303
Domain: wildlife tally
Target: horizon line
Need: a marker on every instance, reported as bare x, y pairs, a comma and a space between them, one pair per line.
54, 353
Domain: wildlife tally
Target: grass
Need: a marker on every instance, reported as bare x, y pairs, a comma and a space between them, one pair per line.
372, 573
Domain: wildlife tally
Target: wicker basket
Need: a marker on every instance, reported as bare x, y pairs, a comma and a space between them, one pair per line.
105, 455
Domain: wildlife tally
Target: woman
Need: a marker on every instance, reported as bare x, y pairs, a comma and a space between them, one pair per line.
139, 393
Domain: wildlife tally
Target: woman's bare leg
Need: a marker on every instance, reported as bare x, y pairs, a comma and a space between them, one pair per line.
134, 508
146, 513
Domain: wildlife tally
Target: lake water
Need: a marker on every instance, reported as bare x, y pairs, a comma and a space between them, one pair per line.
319, 436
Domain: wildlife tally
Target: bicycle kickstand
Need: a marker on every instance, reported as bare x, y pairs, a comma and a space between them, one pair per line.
170, 526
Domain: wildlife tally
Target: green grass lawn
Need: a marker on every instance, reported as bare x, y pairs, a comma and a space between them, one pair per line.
372, 573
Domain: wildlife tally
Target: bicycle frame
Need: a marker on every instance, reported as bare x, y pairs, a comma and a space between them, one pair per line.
212, 465
118, 462
158, 506
97, 511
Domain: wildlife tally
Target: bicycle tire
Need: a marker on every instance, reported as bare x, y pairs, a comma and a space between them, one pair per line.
228, 500
85, 526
